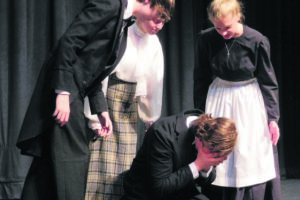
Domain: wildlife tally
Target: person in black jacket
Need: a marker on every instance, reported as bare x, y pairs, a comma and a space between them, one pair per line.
178, 156
54, 130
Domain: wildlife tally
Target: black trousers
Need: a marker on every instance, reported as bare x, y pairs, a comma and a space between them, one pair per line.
61, 172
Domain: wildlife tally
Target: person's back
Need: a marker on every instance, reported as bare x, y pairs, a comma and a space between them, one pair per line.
161, 141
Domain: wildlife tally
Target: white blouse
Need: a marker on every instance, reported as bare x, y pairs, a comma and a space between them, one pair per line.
142, 63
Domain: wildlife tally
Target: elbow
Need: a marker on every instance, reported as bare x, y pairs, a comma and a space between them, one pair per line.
158, 190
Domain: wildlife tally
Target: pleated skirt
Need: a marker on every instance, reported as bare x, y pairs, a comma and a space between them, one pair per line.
252, 160
112, 156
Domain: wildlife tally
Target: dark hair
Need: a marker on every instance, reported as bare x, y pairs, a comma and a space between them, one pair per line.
165, 7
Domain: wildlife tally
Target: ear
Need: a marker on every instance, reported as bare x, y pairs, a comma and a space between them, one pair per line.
239, 18
198, 143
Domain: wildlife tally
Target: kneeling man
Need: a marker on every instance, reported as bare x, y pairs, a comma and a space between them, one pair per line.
178, 156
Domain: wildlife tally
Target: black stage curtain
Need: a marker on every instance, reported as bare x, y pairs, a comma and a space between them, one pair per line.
29, 29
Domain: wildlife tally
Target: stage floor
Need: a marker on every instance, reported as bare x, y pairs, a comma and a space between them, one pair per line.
290, 189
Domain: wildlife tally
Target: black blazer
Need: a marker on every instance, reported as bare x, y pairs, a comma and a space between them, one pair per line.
81, 59
87, 51
160, 170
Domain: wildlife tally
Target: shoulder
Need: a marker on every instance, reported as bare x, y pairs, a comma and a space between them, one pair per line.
253, 35
208, 37
154, 38
164, 127
105, 5
154, 46
165, 123
108, 3
207, 33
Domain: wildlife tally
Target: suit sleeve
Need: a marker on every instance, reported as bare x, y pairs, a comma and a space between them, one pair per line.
164, 182
93, 17
207, 180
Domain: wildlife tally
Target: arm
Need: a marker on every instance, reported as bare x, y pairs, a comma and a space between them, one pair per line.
93, 17
149, 106
205, 162
162, 180
202, 73
269, 87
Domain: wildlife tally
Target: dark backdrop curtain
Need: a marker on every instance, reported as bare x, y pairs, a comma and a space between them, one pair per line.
29, 29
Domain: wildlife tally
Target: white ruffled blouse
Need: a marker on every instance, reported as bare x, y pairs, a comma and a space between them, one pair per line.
142, 63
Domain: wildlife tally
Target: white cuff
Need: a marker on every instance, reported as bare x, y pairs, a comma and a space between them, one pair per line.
61, 92
194, 170
206, 174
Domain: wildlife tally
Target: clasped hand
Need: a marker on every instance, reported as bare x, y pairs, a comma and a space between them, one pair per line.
106, 125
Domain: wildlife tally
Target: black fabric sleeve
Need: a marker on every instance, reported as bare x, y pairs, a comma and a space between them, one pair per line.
164, 182
93, 17
267, 80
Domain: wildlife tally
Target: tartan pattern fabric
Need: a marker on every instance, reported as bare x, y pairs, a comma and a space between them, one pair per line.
112, 156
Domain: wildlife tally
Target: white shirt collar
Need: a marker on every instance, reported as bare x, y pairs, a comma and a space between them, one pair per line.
190, 119
129, 9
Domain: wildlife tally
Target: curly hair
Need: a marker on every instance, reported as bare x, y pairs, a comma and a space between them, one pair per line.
219, 133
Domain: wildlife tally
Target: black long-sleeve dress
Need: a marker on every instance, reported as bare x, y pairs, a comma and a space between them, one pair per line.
235, 78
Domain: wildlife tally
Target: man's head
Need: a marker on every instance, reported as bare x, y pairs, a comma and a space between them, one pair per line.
219, 135
158, 9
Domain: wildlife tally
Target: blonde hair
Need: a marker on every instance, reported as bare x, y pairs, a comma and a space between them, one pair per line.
219, 133
221, 8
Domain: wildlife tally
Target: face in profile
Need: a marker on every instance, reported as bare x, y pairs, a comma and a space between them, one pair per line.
152, 23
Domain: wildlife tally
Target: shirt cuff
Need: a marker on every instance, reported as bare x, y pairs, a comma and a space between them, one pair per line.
61, 92
204, 173
194, 170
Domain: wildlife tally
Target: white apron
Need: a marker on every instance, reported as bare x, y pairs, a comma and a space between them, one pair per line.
252, 160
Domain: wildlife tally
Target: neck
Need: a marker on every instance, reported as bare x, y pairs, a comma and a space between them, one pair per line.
240, 30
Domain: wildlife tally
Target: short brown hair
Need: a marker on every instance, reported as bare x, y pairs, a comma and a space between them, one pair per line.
165, 7
219, 133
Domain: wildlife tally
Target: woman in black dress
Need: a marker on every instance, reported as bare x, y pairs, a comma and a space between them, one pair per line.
234, 78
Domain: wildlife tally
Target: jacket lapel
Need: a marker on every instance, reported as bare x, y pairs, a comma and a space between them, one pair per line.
119, 26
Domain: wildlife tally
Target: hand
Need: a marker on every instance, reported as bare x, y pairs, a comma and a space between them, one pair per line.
274, 132
62, 110
106, 124
205, 159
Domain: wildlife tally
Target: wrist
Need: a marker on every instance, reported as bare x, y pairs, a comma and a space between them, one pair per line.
148, 124
198, 166
194, 170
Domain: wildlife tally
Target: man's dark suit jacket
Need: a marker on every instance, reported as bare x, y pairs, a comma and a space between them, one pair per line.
81, 59
160, 170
